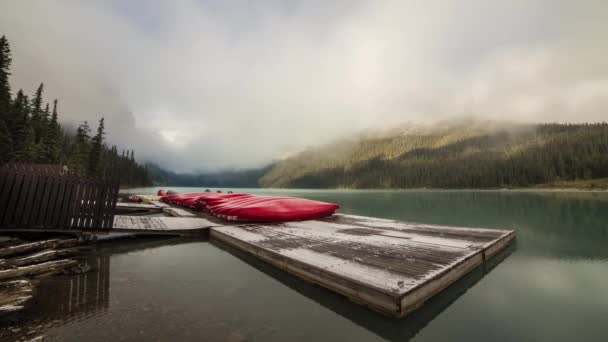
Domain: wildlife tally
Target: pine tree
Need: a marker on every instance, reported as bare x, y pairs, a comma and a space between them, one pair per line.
19, 124
5, 86
80, 152
6, 144
94, 165
31, 133
30, 150
37, 113
52, 140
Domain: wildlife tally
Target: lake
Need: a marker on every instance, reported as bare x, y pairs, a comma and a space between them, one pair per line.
551, 286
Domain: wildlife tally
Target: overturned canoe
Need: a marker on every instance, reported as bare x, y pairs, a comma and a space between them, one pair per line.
247, 207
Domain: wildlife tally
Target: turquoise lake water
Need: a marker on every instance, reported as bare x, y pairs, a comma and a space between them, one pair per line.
552, 285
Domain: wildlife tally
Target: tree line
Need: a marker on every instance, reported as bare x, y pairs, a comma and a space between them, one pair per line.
30, 132
453, 158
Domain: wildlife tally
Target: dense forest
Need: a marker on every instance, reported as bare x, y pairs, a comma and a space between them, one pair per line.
468, 154
30, 132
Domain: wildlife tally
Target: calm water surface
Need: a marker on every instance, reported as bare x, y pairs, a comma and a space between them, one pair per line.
551, 286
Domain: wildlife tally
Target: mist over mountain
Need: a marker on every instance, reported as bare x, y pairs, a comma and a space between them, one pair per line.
450, 154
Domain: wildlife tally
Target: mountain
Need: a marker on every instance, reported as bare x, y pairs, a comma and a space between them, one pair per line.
464, 154
227, 178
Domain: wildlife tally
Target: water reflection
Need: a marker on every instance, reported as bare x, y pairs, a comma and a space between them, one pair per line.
550, 289
78, 296
62, 299
387, 328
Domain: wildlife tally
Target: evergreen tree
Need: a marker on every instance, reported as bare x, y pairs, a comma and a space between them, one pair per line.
52, 140
7, 152
30, 133
20, 123
80, 151
37, 113
5, 86
6, 144
94, 165
30, 150
46, 117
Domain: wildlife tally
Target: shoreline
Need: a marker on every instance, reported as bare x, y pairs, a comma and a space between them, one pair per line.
523, 189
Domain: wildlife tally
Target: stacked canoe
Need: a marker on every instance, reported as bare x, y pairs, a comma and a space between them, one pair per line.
254, 208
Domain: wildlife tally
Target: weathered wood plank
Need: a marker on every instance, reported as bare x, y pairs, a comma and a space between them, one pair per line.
128, 205
161, 225
178, 212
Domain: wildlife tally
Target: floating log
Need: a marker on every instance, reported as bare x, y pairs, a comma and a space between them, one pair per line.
38, 257
36, 246
48, 267
14, 295
9, 243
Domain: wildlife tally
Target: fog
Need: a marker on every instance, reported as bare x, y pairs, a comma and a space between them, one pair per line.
202, 85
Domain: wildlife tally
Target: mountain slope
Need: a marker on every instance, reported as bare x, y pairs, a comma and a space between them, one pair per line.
451, 155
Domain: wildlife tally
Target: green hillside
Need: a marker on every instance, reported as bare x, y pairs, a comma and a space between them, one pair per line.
466, 154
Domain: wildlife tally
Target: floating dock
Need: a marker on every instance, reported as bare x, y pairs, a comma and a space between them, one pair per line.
390, 266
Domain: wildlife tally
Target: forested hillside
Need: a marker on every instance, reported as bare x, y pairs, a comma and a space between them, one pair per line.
469, 154
30, 133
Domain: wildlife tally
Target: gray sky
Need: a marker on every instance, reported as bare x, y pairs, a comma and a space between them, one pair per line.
197, 85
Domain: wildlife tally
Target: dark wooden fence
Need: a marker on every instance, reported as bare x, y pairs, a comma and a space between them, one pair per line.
49, 197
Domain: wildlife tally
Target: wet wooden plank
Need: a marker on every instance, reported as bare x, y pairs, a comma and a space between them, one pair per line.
391, 266
178, 212
161, 225
128, 205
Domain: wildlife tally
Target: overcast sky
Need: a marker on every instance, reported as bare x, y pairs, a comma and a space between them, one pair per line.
199, 85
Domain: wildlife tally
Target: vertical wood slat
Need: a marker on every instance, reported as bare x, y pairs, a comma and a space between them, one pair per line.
45, 196
51, 200
12, 199
54, 219
77, 205
88, 204
44, 204
7, 188
27, 205
68, 206
25, 189
99, 206
43, 184
108, 217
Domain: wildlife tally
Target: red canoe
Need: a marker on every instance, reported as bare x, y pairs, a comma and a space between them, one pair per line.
246, 207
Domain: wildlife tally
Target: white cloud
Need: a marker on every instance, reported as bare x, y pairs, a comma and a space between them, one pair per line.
198, 85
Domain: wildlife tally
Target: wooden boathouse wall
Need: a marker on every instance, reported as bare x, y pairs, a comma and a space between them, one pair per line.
50, 197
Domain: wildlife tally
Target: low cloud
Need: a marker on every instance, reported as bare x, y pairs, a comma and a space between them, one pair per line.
204, 85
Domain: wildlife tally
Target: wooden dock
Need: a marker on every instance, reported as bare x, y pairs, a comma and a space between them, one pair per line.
390, 266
